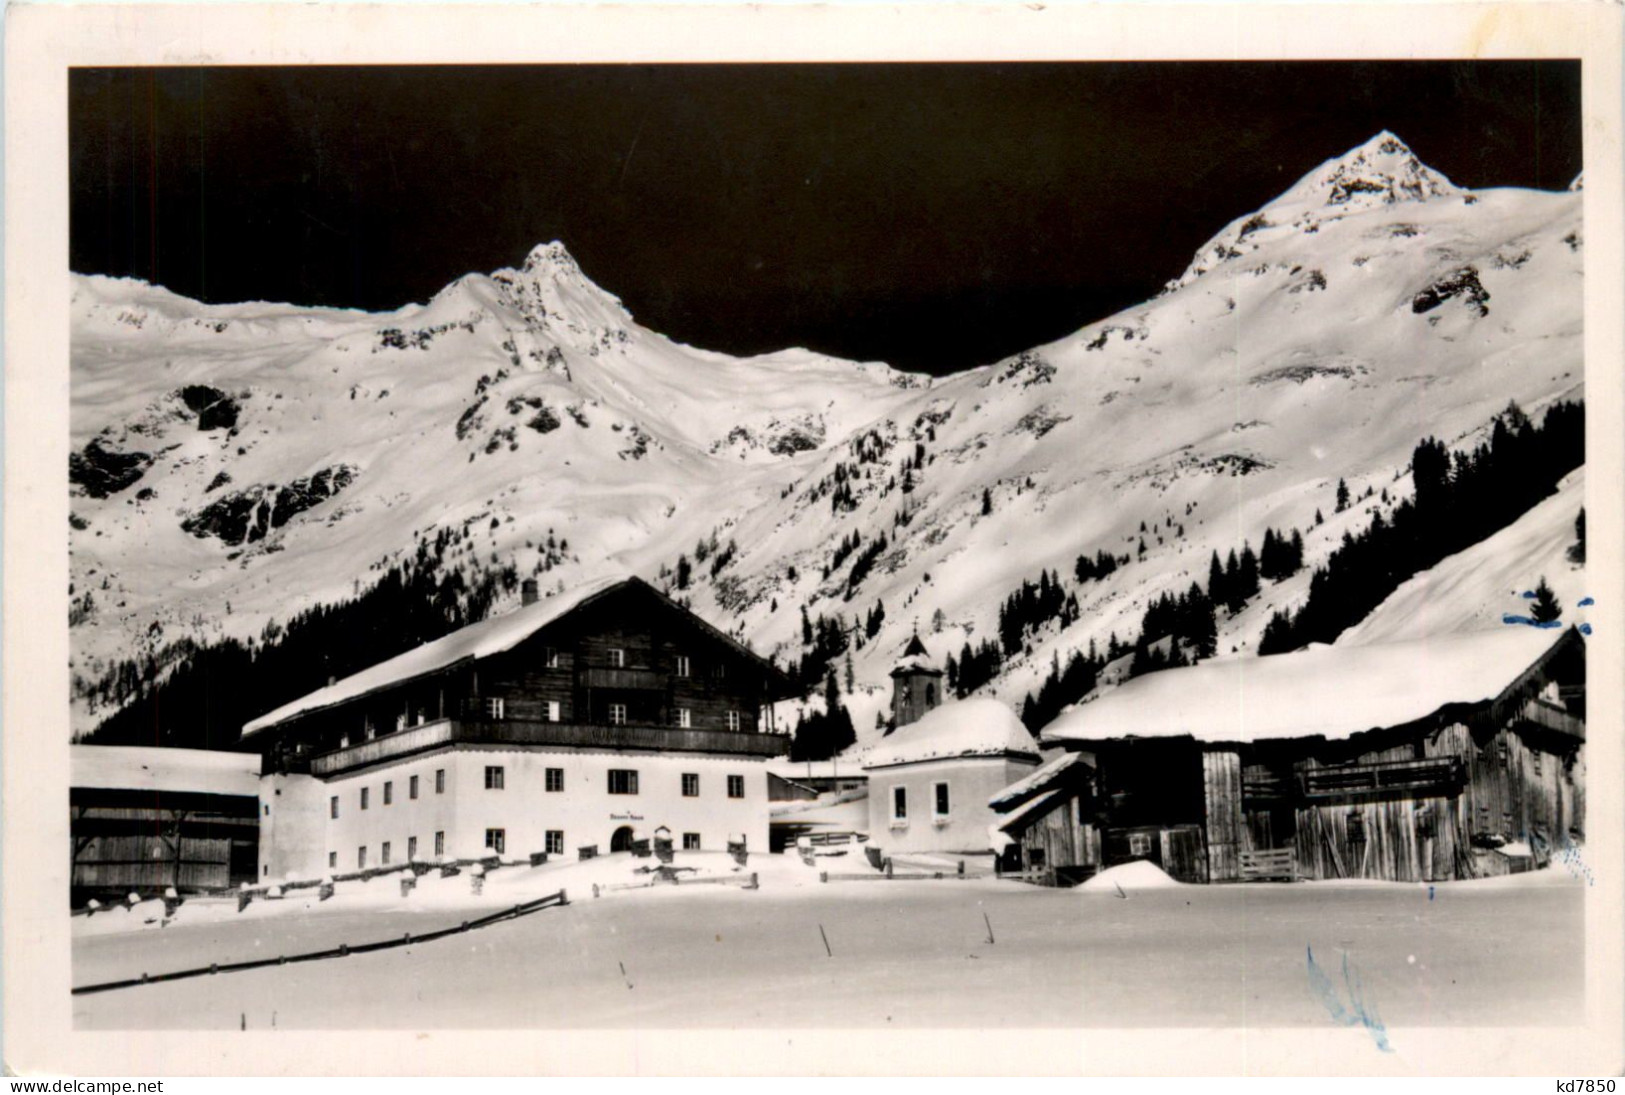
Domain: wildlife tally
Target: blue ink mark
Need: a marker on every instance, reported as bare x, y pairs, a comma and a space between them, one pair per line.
1430, 893
1585, 629
1355, 1013
1546, 625
1587, 602
1528, 595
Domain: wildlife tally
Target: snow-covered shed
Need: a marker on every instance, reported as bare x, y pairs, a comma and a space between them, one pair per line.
1410, 761
146, 818
929, 781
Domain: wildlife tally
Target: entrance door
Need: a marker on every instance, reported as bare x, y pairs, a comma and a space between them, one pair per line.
621, 841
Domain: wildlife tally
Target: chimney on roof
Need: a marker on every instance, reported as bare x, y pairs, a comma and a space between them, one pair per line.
528, 592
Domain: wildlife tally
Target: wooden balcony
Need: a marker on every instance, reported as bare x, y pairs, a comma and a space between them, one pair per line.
1549, 716
643, 680
1391, 778
445, 732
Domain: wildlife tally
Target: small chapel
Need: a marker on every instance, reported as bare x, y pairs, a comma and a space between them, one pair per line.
931, 775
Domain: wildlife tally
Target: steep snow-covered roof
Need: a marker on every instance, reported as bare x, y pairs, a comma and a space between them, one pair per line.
1040, 779
480, 640
151, 768
916, 659
1333, 692
1037, 804
977, 727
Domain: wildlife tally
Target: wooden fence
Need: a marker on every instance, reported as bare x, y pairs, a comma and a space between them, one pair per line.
341, 951
1279, 863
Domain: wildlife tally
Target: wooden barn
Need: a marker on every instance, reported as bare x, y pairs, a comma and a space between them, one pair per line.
145, 819
1446, 758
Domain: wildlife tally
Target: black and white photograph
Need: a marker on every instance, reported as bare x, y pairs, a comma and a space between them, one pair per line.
973, 546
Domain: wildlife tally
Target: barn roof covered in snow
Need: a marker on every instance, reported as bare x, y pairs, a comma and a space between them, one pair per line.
1325, 691
169, 771
977, 727
482, 640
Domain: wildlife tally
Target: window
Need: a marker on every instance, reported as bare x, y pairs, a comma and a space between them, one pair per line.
555, 842
617, 658
493, 778
493, 707
439, 781
719, 671
551, 658
930, 695
384, 855
400, 722
1139, 844
496, 840
691, 785
682, 665
1356, 822
617, 714
555, 779
389, 792
412, 787
623, 781
364, 798
940, 792
899, 804
685, 718
439, 845
333, 806
411, 848
733, 720
736, 786
691, 842
332, 861
552, 710
361, 858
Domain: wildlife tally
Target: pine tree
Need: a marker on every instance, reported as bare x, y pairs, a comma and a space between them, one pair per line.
1216, 591
987, 501
1546, 608
1342, 496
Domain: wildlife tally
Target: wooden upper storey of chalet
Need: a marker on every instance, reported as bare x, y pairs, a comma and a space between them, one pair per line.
597, 651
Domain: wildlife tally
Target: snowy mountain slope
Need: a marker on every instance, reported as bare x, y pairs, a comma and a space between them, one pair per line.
1371, 305
1473, 589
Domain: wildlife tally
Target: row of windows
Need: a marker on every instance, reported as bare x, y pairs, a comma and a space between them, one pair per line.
899, 802
495, 707
496, 841
682, 666
622, 781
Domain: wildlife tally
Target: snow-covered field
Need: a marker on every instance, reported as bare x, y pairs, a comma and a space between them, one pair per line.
903, 954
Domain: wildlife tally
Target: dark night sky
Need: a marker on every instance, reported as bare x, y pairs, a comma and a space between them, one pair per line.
932, 216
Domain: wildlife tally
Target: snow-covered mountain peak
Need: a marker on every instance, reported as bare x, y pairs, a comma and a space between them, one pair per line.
550, 287
1381, 171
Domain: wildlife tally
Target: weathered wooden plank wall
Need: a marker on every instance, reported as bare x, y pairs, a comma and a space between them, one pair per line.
147, 863
1221, 784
